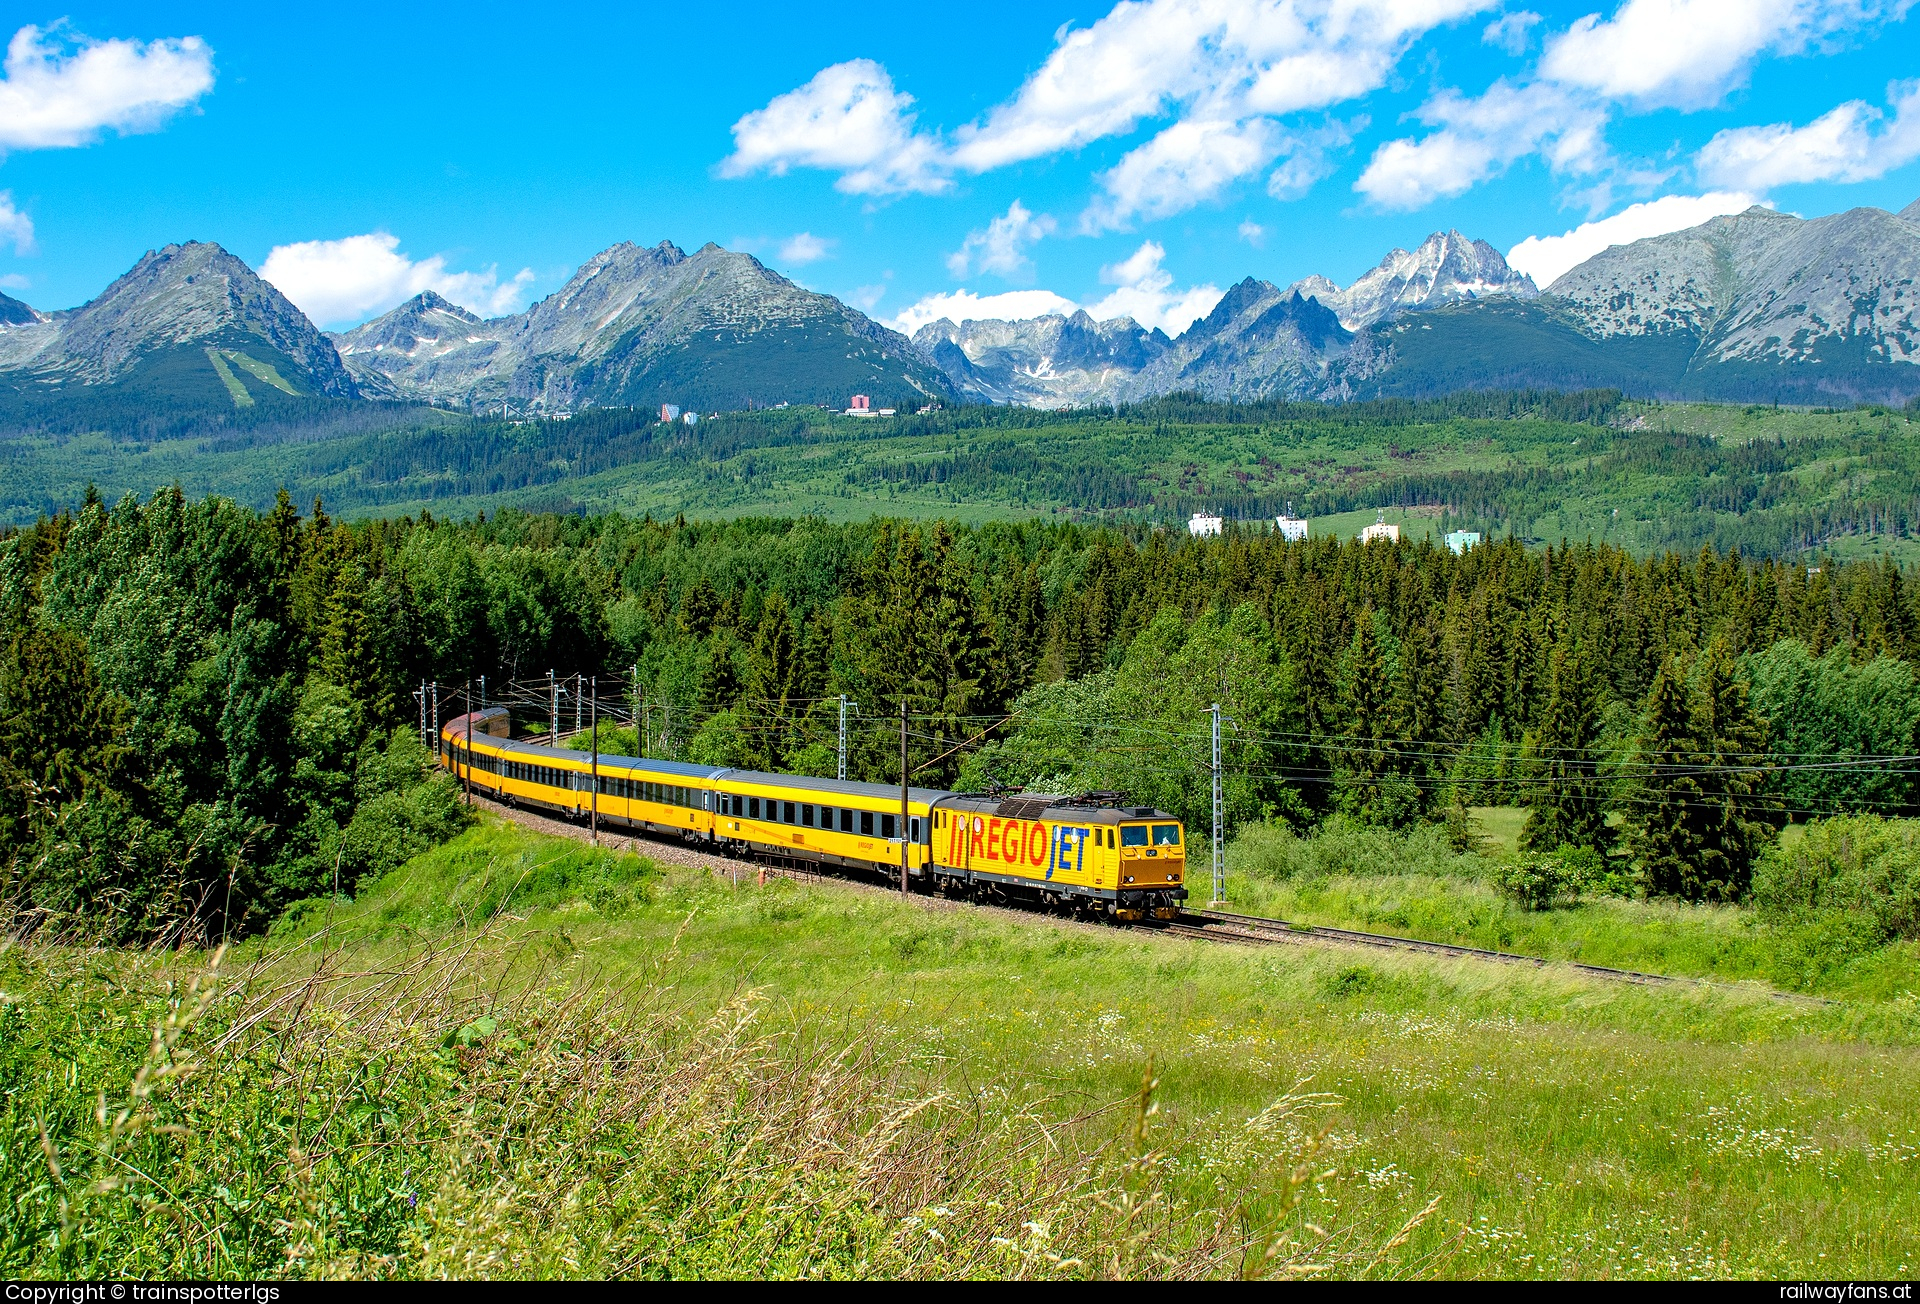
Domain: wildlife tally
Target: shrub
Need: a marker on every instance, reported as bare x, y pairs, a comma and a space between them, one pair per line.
1535, 882
1860, 865
1344, 847
394, 827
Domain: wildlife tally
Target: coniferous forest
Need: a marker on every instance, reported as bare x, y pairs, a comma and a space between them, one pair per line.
210, 713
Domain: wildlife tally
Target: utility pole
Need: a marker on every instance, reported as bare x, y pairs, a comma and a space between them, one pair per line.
469, 756
844, 704
633, 711
483, 692
436, 721
904, 822
1219, 820
577, 685
593, 820
420, 696
553, 710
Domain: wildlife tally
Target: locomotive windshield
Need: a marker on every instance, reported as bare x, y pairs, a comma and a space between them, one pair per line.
1166, 835
1133, 835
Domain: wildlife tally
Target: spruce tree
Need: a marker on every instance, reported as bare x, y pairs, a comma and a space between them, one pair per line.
1739, 819
1568, 809
1667, 823
1367, 698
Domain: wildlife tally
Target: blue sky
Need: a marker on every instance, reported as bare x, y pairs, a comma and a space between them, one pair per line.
1136, 158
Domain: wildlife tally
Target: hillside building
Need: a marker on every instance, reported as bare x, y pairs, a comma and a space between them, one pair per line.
1380, 530
669, 411
1291, 528
1202, 526
690, 418
1458, 541
860, 406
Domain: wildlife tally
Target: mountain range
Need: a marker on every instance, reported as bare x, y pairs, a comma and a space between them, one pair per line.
1760, 306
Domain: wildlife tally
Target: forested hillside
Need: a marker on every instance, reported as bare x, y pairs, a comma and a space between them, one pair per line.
209, 712
1544, 467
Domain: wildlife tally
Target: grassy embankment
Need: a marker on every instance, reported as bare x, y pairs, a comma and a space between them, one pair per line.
1415, 886
652, 1072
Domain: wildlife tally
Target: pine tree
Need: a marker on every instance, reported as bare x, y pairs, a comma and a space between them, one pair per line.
1739, 819
1367, 697
1667, 822
769, 684
1568, 807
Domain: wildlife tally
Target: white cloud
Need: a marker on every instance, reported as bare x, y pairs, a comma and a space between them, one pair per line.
964, 305
1001, 247
16, 228
1481, 137
867, 297
1143, 290
1546, 257
804, 248
1840, 145
849, 120
1689, 53
14, 281
1185, 164
1214, 61
1512, 32
1649, 54
61, 93
339, 282
1145, 293
1253, 233
1222, 69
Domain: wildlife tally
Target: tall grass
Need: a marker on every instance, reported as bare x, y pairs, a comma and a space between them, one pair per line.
1415, 885
459, 1111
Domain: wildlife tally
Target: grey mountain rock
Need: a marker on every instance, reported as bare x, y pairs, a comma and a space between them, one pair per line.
15, 313
1763, 287
1258, 342
1043, 361
1446, 268
183, 296
638, 325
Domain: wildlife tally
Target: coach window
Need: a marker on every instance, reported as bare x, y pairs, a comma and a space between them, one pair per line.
846, 820
753, 808
866, 823
888, 826
826, 818
806, 815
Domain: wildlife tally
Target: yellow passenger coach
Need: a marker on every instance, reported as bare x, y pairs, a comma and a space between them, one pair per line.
1121, 862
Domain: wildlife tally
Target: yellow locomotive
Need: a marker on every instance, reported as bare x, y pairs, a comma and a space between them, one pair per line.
1125, 863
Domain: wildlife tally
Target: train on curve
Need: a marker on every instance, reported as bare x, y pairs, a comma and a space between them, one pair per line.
1122, 862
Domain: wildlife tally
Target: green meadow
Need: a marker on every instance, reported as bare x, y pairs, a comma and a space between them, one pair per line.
517, 1055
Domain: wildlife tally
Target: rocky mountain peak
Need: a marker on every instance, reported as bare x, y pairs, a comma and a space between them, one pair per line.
15, 313
184, 294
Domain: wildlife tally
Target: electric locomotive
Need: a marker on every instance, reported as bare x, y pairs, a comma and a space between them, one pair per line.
1121, 862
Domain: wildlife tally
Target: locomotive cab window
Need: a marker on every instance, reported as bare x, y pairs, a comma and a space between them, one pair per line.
1133, 835
1166, 835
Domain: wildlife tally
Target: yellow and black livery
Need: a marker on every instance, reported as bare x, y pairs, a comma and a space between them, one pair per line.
1123, 862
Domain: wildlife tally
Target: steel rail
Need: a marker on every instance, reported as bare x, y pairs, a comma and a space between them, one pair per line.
1258, 930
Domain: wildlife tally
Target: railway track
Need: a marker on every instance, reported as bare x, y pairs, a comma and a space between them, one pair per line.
1220, 926
1216, 926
